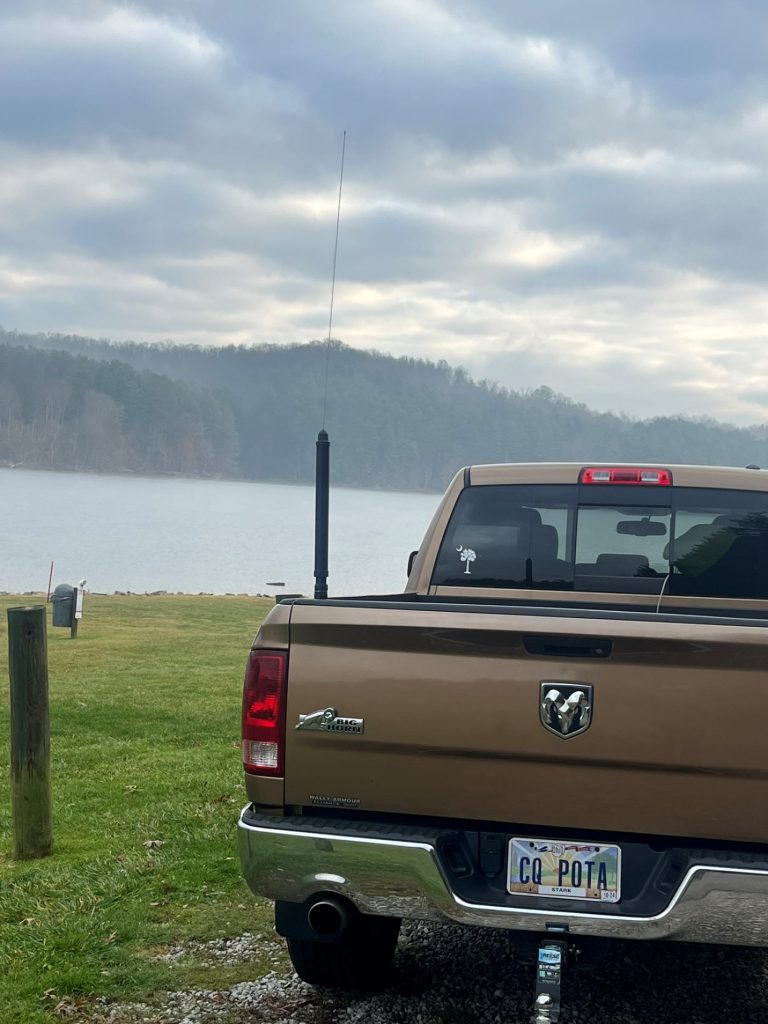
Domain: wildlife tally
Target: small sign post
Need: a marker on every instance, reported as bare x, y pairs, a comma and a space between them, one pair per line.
78, 609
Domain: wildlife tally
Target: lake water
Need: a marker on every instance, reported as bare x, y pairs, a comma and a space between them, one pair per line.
147, 533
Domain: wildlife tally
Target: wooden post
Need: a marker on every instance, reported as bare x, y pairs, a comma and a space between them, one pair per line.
73, 627
30, 733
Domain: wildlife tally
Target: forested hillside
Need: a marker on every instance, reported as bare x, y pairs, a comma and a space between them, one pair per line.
60, 411
395, 423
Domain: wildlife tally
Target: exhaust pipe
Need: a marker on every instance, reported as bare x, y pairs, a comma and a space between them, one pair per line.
328, 916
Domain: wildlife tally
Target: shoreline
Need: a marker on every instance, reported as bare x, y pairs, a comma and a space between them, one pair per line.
140, 593
129, 474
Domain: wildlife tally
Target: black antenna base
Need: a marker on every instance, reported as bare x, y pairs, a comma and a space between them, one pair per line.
322, 488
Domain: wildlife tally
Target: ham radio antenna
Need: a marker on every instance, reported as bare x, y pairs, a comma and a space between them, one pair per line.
323, 445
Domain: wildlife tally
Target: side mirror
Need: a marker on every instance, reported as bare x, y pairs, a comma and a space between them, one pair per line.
411, 560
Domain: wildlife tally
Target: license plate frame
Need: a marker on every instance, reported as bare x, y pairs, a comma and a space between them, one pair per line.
543, 874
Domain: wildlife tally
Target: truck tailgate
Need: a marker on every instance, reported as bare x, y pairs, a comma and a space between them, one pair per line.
451, 708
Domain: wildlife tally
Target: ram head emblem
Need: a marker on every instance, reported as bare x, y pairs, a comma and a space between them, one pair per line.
565, 709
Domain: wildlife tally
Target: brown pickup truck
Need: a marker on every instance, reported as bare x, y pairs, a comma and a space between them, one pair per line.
558, 728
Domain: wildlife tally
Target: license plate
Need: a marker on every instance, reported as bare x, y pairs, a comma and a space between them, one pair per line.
571, 870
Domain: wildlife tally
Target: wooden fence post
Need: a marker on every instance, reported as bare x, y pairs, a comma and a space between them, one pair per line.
30, 733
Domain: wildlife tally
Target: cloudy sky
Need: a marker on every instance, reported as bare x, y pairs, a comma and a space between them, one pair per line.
560, 193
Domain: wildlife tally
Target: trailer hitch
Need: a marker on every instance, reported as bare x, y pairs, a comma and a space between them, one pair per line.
550, 962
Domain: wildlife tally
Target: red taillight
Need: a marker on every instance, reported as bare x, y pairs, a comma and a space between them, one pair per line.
264, 712
626, 475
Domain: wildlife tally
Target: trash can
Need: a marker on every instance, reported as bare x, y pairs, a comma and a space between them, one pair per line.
63, 605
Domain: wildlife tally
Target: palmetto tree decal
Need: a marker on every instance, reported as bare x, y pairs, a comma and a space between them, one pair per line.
467, 555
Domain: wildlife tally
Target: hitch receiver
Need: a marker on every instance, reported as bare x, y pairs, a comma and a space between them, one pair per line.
549, 973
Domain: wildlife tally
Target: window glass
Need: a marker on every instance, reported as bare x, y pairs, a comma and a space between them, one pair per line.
709, 543
509, 536
720, 548
617, 544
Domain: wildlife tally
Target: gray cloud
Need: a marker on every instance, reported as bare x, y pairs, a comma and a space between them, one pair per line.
547, 193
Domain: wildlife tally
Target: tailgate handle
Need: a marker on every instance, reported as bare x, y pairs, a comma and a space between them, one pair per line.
568, 646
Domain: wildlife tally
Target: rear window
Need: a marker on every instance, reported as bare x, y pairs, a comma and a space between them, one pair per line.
720, 544
704, 543
509, 536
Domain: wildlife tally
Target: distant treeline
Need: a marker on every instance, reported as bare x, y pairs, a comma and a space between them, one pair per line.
395, 423
61, 411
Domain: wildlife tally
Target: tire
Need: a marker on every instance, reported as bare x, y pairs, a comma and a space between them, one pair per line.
361, 958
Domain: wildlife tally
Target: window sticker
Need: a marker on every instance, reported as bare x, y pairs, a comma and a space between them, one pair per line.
468, 556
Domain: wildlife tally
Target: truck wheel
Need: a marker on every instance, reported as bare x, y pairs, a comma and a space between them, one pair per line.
361, 957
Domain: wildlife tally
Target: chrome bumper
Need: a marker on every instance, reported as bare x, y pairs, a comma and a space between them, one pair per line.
404, 879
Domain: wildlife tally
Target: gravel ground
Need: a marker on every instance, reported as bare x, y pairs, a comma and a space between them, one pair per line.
448, 975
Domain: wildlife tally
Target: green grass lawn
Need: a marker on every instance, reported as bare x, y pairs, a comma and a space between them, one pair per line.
145, 719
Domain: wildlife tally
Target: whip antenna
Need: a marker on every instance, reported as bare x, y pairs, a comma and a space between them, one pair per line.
323, 445
333, 277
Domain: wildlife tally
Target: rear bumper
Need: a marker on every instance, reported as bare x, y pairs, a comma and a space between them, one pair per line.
403, 877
